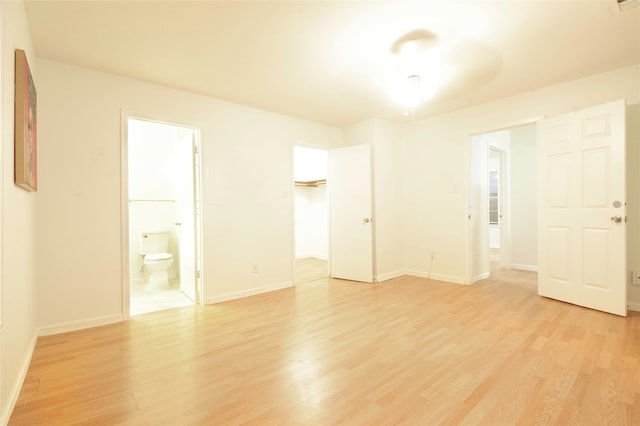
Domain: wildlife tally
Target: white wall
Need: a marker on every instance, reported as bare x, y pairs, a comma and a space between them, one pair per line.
312, 220
523, 195
19, 269
434, 163
246, 190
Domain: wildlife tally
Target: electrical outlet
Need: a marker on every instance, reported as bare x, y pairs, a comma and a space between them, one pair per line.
254, 268
635, 278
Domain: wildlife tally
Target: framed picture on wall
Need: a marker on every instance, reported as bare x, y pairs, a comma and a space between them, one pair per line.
25, 143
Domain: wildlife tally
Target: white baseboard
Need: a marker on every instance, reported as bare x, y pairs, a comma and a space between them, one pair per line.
249, 292
520, 267
17, 386
388, 276
79, 325
482, 276
437, 277
633, 306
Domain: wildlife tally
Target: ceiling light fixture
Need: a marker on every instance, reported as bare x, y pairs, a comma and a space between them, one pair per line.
415, 76
416, 90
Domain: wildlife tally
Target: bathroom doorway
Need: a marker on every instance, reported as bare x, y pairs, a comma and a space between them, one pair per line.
163, 187
311, 214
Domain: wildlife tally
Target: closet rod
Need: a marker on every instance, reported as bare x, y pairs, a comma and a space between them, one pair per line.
311, 183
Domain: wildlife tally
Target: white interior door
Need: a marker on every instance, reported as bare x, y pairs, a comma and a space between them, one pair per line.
186, 213
351, 232
581, 189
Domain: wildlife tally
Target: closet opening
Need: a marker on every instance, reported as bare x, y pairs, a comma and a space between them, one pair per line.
311, 214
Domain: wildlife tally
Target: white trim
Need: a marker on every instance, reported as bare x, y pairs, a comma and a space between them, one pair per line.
249, 292
438, 277
124, 214
17, 386
520, 267
633, 306
79, 325
389, 276
482, 276
509, 126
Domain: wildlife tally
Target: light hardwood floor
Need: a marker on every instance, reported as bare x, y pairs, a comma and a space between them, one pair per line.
407, 351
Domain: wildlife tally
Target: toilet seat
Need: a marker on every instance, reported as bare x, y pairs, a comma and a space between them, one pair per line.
158, 256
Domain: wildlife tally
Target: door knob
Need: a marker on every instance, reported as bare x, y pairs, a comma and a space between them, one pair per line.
366, 220
616, 219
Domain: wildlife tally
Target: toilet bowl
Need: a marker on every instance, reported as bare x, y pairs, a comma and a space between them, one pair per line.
157, 264
153, 245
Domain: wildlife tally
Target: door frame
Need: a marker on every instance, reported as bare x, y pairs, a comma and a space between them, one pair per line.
124, 206
470, 255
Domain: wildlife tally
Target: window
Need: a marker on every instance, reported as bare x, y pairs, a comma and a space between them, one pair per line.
494, 205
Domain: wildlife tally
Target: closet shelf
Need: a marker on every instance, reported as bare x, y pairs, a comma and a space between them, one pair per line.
311, 183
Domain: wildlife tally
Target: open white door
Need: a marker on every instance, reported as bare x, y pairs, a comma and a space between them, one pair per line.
581, 202
351, 234
186, 214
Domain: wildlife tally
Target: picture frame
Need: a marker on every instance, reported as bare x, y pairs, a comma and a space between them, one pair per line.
25, 139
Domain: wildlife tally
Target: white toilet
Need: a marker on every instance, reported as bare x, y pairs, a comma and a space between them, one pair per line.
154, 246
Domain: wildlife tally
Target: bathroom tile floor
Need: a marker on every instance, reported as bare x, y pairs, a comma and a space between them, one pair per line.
145, 299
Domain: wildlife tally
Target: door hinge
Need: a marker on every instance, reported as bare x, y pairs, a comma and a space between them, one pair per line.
197, 274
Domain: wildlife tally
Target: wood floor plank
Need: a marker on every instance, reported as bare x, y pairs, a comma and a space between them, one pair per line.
407, 351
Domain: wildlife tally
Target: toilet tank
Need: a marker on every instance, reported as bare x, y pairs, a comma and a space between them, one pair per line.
153, 241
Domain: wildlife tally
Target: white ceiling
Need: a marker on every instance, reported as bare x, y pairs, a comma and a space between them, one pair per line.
330, 61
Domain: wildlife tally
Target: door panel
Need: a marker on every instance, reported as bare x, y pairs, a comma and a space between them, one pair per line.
351, 233
581, 158
558, 252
